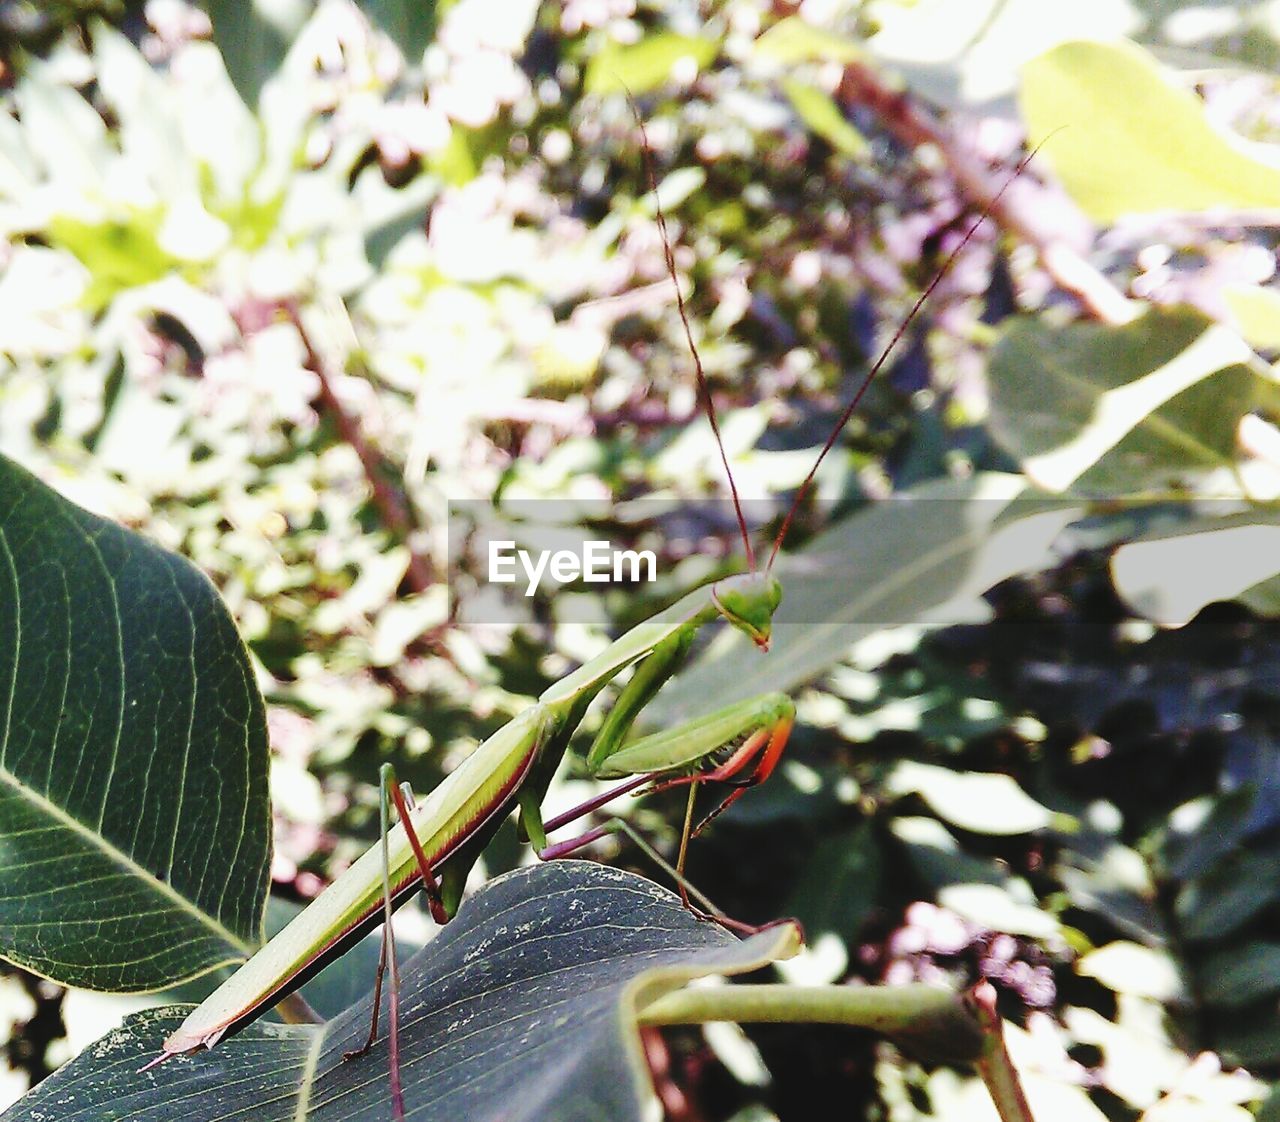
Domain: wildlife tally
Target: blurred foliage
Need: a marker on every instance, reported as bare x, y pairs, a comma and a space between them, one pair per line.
275, 319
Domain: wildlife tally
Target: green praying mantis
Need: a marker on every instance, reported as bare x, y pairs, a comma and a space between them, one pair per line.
434, 844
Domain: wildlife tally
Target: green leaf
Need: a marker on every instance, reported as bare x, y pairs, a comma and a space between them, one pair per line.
816, 109
522, 1008
963, 56
1228, 897
793, 40
410, 24
924, 557
983, 802
63, 133
254, 36
134, 826
1241, 975
1112, 881
646, 65
1115, 409
1010, 907
1250, 1038
936, 857
1105, 98
840, 884
1169, 577
1218, 824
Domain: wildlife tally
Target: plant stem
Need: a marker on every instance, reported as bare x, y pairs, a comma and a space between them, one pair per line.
995, 1066
294, 1010
914, 126
391, 504
926, 1019
934, 1023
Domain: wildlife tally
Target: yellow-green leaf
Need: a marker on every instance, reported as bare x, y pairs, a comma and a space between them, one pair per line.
640, 67
1257, 314
794, 40
1132, 140
817, 110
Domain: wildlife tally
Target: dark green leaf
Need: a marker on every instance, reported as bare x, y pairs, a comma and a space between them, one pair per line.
522, 1008
1228, 897
1113, 881
1192, 853
936, 856
410, 24
134, 823
1241, 975
254, 36
1250, 1038
839, 885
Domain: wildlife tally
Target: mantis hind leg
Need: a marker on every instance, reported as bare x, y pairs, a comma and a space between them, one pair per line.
392, 793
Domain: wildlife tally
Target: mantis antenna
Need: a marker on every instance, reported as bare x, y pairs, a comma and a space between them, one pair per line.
876, 366
704, 389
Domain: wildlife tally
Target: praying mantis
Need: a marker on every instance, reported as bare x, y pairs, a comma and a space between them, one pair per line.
434, 844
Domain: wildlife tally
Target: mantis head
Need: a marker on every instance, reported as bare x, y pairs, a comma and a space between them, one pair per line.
748, 602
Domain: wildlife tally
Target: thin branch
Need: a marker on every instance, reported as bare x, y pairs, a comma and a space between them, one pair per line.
388, 499
913, 126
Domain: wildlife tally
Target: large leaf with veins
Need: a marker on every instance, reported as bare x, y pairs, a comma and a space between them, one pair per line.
521, 1010
134, 825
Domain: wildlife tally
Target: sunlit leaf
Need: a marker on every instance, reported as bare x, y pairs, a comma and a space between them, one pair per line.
1000, 908
793, 40
1117, 409
1104, 97
823, 116
985, 803
1170, 577
646, 65
1127, 967
1257, 314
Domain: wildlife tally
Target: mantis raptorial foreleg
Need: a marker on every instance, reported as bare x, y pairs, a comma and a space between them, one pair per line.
756, 730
